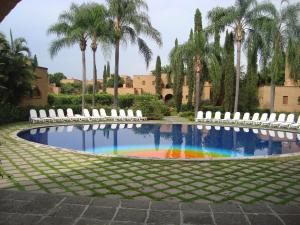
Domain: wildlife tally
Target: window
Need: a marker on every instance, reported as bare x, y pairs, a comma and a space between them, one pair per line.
186, 96
144, 82
153, 82
285, 100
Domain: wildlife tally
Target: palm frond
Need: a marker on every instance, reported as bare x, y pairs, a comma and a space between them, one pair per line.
144, 50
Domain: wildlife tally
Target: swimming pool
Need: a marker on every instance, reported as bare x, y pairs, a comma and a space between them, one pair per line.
165, 141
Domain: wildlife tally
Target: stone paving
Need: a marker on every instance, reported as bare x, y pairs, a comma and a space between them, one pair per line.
44, 209
30, 167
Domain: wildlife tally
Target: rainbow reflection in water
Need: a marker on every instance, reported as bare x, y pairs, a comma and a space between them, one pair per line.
166, 152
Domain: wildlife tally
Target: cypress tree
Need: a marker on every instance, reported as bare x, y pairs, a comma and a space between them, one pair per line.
229, 72
174, 71
108, 70
190, 75
198, 21
35, 62
158, 76
104, 79
180, 82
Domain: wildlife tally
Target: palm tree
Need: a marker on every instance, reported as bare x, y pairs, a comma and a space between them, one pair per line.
19, 46
203, 54
98, 30
71, 29
240, 17
130, 20
282, 33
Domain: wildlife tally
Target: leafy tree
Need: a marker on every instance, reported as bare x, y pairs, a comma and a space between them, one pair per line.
130, 20
282, 34
229, 72
108, 70
56, 78
111, 81
104, 79
240, 17
158, 76
71, 88
16, 70
71, 29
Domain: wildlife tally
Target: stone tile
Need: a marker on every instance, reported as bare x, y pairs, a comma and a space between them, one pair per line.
11, 206
80, 200
85, 221
291, 219
259, 219
230, 219
105, 202
226, 208
68, 210
132, 215
198, 207
164, 217
56, 220
97, 212
286, 209
136, 204
256, 208
197, 218
164, 205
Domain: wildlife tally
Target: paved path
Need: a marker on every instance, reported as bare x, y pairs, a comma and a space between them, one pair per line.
24, 208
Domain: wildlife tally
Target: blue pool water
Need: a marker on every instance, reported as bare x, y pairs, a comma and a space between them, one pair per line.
166, 141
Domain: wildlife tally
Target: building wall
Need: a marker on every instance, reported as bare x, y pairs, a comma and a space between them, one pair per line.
42, 84
286, 98
70, 81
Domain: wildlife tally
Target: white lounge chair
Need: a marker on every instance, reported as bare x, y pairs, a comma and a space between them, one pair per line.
208, 116
53, 116
122, 115
103, 114
236, 117
114, 114
199, 116
254, 118
263, 118
271, 120
140, 116
61, 114
226, 117
95, 115
44, 117
246, 117
217, 117
87, 115
281, 119
130, 115
71, 116
289, 121
297, 124
33, 117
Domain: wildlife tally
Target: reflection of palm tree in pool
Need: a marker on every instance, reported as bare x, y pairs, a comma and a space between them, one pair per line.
176, 140
93, 136
115, 132
83, 140
157, 136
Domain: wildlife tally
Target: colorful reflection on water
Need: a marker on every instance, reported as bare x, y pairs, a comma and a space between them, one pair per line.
166, 141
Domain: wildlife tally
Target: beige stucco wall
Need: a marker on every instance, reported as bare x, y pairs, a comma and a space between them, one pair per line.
70, 81
292, 92
42, 83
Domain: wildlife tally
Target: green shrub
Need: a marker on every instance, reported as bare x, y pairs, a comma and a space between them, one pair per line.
212, 108
187, 114
126, 101
153, 109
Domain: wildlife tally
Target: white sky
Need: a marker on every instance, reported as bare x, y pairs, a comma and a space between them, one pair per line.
31, 19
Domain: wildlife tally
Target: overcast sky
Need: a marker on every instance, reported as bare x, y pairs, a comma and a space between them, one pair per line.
31, 19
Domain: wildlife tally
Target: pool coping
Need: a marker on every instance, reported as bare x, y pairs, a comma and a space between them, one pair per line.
14, 135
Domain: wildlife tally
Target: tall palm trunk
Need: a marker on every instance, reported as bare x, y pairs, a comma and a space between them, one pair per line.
238, 75
83, 48
116, 76
272, 95
198, 68
94, 48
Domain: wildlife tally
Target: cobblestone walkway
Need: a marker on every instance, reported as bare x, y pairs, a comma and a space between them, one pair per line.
29, 167
44, 209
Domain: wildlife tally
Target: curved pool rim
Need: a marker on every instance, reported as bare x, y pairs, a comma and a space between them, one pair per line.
15, 133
